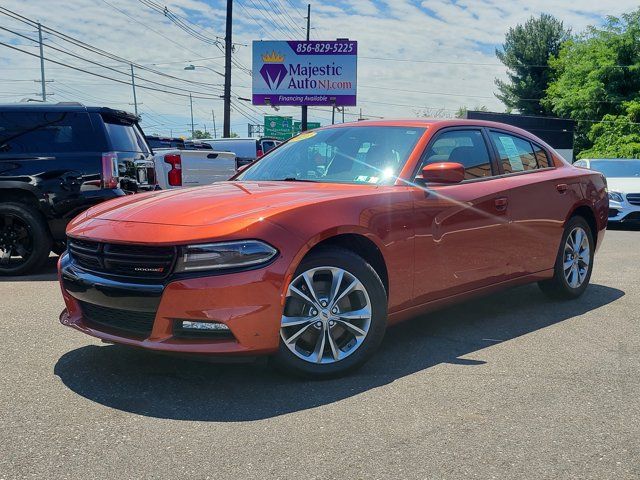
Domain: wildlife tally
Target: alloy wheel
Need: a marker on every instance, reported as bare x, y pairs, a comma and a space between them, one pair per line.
327, 315
577, 257
16, 244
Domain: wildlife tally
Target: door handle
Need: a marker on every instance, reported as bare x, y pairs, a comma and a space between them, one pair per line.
501, 203
562, 187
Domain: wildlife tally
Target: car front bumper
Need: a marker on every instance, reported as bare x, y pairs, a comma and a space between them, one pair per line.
249, 303
623, 212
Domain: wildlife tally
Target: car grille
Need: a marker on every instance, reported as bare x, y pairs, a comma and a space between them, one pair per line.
633, 198
136, 261
138, 324
633, 216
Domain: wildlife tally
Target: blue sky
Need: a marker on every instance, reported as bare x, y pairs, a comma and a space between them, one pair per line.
428, 57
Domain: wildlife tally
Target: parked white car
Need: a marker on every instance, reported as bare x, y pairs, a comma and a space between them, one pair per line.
189, 168
623, 180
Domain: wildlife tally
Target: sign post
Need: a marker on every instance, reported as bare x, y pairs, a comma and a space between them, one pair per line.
305, 73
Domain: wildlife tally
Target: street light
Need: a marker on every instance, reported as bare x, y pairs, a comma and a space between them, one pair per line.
193, 67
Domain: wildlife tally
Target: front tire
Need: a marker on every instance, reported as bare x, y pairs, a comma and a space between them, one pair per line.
334, 317
574, 263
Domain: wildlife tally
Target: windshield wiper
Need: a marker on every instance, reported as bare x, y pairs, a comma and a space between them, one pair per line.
294, 179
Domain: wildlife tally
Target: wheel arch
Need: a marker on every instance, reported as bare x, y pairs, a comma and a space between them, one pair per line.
586, 212
359, 242
17, 193
23, 195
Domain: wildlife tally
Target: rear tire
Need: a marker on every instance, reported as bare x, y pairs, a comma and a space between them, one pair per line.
25, 241
334, 326
574, 263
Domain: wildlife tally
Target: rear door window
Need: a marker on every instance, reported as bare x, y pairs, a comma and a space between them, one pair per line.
466, 147
516, 154
125, 137
541, 156
45, 132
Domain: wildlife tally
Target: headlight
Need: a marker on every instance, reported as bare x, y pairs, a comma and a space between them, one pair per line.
216, 256
616, 197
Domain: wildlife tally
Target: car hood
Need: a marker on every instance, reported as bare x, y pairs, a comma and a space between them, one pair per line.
624, 184
221, 202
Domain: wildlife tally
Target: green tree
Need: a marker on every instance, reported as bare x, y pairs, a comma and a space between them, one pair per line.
526, 53
462, 111
596, 73
616, 136
198, 134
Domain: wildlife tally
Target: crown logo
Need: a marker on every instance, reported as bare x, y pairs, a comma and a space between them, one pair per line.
272, 57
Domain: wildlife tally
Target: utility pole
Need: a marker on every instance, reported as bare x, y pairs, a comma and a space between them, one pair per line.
191, 107
42, 80
303, 120
226, 130
213, 117
133, 84
333, 115
343, 114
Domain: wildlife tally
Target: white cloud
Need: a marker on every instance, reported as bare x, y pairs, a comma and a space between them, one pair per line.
463, 31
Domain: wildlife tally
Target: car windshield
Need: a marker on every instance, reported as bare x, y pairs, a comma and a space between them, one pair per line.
358, 154
617, 168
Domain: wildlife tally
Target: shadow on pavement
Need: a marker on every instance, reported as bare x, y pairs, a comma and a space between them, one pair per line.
47, 273
167, 387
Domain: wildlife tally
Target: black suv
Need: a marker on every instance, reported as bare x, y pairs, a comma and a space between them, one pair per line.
57, 160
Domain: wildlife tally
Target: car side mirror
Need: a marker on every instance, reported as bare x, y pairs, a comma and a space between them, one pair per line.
443, 172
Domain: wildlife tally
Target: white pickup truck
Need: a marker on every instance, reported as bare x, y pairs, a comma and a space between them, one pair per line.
189, 168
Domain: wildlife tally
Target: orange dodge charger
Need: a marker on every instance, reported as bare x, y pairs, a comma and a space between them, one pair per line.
312, 251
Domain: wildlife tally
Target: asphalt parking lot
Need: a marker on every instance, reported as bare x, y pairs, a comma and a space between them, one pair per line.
509, 386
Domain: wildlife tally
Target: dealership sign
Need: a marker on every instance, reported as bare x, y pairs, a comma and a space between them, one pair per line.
305, 73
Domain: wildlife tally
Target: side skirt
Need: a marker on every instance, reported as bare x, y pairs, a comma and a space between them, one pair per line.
407, 313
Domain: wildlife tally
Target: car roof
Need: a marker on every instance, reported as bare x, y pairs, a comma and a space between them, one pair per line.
435, 123
62, 107
610, 159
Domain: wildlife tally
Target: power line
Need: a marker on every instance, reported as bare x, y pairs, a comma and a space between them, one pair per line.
92, 49
124, 82
266, 32
116, 70
298, 30
427, 93
295, 9
447, 62
464, 95
275, 24
180, 23
147, 27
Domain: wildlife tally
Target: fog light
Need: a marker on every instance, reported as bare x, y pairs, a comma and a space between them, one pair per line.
209, 326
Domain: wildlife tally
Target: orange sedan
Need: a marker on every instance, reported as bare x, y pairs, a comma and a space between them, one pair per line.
312, 251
